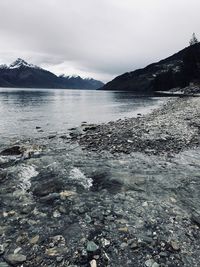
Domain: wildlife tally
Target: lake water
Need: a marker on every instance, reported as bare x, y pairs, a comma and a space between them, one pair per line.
56, 110
57, 188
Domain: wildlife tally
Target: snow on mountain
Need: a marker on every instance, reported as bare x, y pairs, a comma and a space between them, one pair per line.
69, 76
21, 63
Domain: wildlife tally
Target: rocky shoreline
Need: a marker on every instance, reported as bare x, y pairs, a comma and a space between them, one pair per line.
167, 130
125, 193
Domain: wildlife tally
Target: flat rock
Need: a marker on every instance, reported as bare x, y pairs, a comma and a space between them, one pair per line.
15, 259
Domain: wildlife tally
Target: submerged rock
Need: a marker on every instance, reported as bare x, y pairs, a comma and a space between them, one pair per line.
47, 183
15, 259
12, 151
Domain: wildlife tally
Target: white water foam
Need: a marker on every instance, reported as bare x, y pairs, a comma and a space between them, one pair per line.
78, 177
25, 174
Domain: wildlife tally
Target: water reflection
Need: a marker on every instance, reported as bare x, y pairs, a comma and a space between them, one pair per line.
57, 110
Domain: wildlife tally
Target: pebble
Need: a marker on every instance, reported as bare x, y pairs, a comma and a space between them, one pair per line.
66, 194
93, 263
56, 214
34, 240
59, 259
149, 263
91, 246
175, 245
105, 242
123, 245
163, 254
123, 229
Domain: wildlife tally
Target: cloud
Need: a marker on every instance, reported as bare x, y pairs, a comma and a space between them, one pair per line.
102, 38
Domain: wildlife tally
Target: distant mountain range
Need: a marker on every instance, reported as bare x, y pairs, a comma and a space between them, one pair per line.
24, 75
177, 70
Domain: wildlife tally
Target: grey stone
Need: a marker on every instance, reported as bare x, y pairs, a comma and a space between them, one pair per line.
91, 246
149, 263
163, 254
175, 245
59, 258
15, 259
123, 245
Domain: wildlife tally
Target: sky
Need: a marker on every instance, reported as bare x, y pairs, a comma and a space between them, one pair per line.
95, 38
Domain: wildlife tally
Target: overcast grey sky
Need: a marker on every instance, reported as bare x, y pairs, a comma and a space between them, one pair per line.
96, 38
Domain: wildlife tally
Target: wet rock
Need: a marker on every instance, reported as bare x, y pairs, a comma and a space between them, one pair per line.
56, 251
105, 242
34, 240
15, 259
65, 194
163, 254
47, 184
76, 132
59, 259
92, 247
133, 244
3, 175
50, 198
26, 209
87, 127
62, 210
123, 229
22, 238
52, 136
149, 263
56, 214
175, 245
58, 239
123, 245
12, 151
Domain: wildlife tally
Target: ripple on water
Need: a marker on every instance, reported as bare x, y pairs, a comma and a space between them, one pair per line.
78, 177
25, 174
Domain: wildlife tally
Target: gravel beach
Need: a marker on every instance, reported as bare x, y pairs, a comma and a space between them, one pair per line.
167, 130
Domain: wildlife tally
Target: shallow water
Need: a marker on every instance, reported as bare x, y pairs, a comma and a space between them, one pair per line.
93, 194
56, 110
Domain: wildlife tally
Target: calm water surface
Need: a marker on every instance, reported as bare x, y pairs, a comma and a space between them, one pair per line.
56, 110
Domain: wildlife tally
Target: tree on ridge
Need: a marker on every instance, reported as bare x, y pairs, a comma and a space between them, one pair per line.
194, 39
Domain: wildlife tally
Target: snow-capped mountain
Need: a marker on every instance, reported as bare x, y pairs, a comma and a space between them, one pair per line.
21, 63
22, 74
76, 82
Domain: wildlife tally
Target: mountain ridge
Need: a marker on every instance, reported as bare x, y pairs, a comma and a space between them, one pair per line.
24, 75
177, 70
